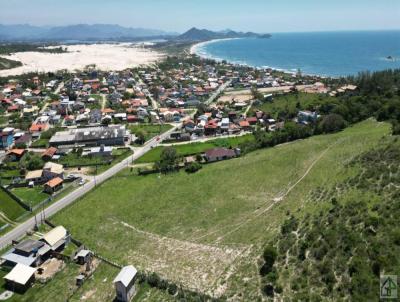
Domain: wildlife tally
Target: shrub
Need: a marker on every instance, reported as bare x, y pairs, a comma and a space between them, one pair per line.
193, 167
331, 123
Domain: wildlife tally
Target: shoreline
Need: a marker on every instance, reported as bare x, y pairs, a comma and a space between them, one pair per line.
194, 51
194, 47
223, 52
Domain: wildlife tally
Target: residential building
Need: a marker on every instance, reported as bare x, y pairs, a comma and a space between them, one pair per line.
218, 154
92, 136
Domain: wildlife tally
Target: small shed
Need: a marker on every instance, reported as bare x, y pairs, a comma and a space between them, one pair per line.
83, 256
125, 283
20, 278
80, 279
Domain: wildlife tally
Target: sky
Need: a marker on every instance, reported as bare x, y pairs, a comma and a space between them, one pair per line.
264, 16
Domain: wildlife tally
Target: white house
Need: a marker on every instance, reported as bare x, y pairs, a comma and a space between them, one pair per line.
125, 283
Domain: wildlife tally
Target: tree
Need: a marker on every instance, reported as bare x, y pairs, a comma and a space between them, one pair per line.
141, 136
193, 167
332, 123
34, 163
168, 160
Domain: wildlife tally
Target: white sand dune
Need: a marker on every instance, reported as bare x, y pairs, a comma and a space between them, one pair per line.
105, 56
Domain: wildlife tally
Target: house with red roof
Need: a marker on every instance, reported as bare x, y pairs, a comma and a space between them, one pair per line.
218, 154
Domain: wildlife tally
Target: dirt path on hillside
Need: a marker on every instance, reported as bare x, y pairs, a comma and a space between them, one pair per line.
279, 198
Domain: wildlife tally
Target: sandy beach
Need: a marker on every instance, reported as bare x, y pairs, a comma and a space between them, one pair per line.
105, 56
196, 48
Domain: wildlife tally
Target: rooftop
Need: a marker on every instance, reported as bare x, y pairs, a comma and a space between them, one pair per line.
126, 275
20, 274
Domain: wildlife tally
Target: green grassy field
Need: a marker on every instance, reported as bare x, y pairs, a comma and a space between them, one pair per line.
150, 130
34, 195
194, 148
206, 230
11, 209
40, 143
292, 103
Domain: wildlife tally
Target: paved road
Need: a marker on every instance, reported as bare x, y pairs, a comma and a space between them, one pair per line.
217, 92
21, 229
47, 98
147, 93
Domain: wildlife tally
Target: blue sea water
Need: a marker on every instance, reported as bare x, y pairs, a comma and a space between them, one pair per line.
327, 54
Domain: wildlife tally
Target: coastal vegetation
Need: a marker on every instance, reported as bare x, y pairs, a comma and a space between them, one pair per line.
8, 64
340, 252
7, 49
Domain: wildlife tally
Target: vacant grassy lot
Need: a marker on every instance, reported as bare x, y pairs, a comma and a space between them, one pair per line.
9, 207
31, 195
74, 159
207, 230
194, 148
150, 130
292, 103
40, 143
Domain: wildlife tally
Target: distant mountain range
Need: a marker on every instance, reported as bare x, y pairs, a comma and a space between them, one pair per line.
81, 32
106, 32
195, 34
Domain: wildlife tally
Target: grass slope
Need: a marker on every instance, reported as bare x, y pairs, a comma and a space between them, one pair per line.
340, 253
10, 207
205, 230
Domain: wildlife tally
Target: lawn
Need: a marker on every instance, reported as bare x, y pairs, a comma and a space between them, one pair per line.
100, 286
292, 103
206, 230
194, 148
11, 209
40, 143
73, 159
150, 130
33, 195
118, 156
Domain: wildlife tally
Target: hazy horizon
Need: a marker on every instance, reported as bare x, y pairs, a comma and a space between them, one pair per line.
179, 15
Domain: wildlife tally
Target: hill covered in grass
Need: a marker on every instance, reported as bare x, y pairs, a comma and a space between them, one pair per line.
206, 231
339, 253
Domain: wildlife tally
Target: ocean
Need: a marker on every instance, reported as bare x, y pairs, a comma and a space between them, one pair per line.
324, 53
